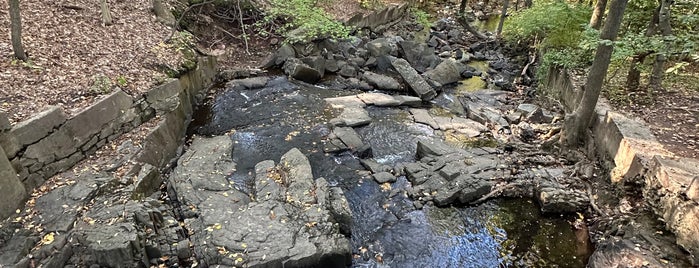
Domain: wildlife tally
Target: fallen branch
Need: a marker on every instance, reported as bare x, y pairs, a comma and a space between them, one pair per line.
592, 200
498, 190
464, 22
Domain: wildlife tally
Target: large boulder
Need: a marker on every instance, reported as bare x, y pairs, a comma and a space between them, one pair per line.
420, 56
12, 192
447, 72
298, 70
381, 82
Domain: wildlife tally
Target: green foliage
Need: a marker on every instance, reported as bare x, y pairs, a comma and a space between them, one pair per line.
121, 81
371, 4
554, 24
421, 17
304, 21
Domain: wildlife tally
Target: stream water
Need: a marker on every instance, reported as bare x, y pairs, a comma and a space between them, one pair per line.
387, 230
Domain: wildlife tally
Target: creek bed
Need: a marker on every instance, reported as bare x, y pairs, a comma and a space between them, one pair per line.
387, 229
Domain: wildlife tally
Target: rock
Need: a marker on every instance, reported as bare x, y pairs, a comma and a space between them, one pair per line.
358, 84
464, 126
285, 52
299, 176
381, 47
379, 99
348, 71
248, 83
423, 116
554, 198
693, 190
420, 56
148, 181
447, 72
527, 108
408, 100
12, 192
413, 79
112, 244
381, 82
4, 122
315, 62
432, 148
38, 126
349, 137
334, 200
266, 188
345, 102
352, 117
384, 177
622, 253
296, 69
374, 167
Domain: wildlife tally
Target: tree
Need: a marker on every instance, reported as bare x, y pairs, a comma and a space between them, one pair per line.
106, 15
656, 76
597, 14
505, 4
633, 77
577, 122
16, 30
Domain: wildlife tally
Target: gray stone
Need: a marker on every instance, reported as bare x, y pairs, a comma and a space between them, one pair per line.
353, 117
4, 122
432, 148
373, 166
39, 126
148, 181
447, 72
248, 83
206, 164
384, 177
420, 56
413, 79
379, 99
381, 82
423, 116
452, 170
162, 143
79, 129
622, 253
408, 100
348, 71
693, 190
334, 199
267, 182
527, 108
316, 62
299, 176
464, 126
285, 52
345, 101
165, 97
349, 137
12, 192
112, 245
380, 47
298, 70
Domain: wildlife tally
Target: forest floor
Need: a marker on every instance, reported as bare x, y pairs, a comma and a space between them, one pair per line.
72, 55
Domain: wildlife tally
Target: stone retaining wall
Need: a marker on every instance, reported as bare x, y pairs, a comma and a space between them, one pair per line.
51, 142
670, 184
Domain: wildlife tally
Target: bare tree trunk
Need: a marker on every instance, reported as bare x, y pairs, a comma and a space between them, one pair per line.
16, 29
462, 6
505, 5
528, 3
577, 123
106, 15
656, 76
597, 14
633, 78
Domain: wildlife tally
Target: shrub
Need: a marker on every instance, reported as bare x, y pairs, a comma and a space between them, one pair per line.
304, 21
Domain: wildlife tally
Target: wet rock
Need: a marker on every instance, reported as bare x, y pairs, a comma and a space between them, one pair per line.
555, 198
349, 137
334, 200
447, 72
420, 56
381, 82
384, 177
374, 167
379, 99
345, 102
622, 253
296, 69
423, 116
248, 83
413, 79
352, 117
432, 148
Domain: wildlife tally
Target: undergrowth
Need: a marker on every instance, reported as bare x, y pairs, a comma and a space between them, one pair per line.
304, 21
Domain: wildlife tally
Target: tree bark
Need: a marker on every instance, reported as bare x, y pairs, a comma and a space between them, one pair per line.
16, 31
462, 6
505, 5
656, 76
597, 14
528, 3
577, 123
106, 15
633, 78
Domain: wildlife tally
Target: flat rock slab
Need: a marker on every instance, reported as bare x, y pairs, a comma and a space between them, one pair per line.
381, 82
423, 116
413, 79
352, 117
345, 101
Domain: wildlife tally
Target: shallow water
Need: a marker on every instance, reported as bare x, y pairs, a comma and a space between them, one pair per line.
387, 229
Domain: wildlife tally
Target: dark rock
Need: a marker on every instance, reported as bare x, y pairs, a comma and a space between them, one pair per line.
285, 52
622, 253
381, 47
374, 167
432, 148
371, 62
335, 201
296, 69
413, 79
349, 137
148, 181
447, 72
420, 56
365, 152
384, 177
381, 82
248, 83
348, 71
316, 62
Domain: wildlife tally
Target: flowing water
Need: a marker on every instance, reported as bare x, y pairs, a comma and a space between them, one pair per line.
387, 231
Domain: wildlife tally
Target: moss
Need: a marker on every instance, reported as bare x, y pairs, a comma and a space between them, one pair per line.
465, 142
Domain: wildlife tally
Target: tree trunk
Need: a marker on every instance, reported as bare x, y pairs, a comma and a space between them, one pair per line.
505, 5
464, 22
656, 76
633, 78
16, 29
577, 123
528, 3
106, 15
597, 14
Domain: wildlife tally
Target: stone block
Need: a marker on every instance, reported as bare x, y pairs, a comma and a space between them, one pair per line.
693, 190
4, 122
148, 182
163, 142
39, 126
79, 129
164, 98
12, 192
413, 79
9, 143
